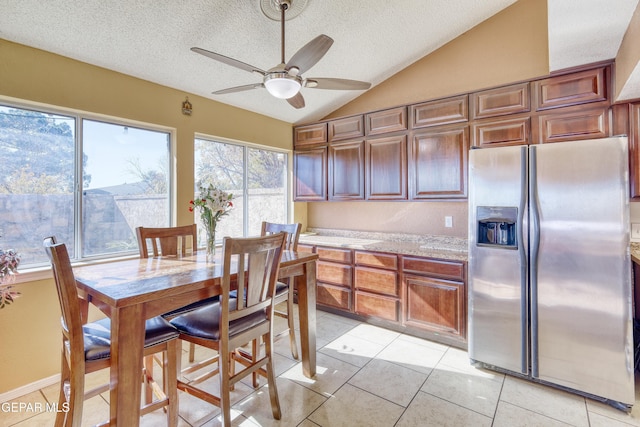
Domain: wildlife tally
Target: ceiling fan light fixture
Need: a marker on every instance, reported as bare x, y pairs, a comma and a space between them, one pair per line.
282, 85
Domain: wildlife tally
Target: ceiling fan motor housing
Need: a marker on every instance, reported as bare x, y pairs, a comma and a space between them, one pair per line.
272, 8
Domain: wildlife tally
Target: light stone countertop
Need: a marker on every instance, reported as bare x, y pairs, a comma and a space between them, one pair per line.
442, 247
635, 252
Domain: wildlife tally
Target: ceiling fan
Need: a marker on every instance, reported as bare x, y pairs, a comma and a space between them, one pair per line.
285, 79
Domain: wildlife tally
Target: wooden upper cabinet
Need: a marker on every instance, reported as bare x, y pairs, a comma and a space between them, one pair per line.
499, 132
512, 99
573, 123
346, 171
438, 163
310, 135
310, 174
440, 112
387, 121
571, 89
386, 168
347, 128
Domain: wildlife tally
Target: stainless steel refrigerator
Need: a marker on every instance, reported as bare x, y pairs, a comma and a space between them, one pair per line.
550, 293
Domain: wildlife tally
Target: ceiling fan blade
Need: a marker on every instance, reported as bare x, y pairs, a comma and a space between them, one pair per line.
238, 88
310, 54
296, 101
336, 84
229, 61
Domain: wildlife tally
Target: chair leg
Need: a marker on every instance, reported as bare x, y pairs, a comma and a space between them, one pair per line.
148, 379
170, 382
271, 378
255, 350
225, 394
290, 321
76, 396
62, 397
192, 352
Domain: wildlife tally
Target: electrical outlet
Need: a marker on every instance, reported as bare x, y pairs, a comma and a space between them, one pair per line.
448, 221
635, 231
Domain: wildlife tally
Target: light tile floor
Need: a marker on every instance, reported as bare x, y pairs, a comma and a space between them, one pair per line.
369, 376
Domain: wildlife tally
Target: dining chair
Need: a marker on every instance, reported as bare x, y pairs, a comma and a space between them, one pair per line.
86, 348
159, 241
285, 290
250, 265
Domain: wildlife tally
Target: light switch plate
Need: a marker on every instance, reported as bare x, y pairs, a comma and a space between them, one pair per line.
448, 221
635, 231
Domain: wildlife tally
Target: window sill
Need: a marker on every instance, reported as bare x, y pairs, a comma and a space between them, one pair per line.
44, 272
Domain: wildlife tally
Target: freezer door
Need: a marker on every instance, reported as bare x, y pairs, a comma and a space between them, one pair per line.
584, 317
497, 264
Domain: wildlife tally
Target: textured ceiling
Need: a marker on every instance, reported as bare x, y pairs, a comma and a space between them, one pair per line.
373, 39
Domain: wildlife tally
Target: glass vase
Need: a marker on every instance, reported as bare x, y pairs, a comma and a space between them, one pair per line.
211, 243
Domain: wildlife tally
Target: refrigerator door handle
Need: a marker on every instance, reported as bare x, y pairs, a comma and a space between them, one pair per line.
535, 244
522, 255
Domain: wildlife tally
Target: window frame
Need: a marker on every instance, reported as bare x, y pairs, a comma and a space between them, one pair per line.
245, 192
36, 271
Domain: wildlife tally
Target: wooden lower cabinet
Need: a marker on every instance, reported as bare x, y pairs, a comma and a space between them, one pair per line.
419, 296
334, 276
435, 296
435, 304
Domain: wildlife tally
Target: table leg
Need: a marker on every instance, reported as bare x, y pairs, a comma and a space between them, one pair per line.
307, 310
127, 341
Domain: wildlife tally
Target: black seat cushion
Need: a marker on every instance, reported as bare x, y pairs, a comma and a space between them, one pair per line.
193, 306
205, 322
97, 336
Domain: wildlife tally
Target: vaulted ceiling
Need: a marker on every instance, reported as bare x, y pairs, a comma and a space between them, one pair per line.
373, 40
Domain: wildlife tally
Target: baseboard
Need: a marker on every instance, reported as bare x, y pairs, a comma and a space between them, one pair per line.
29, 388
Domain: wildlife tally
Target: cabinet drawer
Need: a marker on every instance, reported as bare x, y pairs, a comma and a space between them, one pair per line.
305, 248
375, 280
335, 255
336, 274
440, 268
435, 304
377, 260
377, 306
333, 296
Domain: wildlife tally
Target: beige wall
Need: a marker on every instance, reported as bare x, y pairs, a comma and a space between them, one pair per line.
511, 46
30, 329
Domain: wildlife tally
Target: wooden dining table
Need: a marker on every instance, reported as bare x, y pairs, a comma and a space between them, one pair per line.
133, 290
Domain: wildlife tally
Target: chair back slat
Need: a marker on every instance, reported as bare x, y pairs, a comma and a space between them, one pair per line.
292, 230
258, 262
164, 240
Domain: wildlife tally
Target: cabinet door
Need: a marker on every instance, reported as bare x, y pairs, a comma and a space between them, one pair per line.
435, 304
346, 171
573, 123
310, 173
571, 89
310, 135
386, 166
634, 155
439, 163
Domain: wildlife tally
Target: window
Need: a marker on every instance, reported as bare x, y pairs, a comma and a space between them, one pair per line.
123, 172
257, 177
